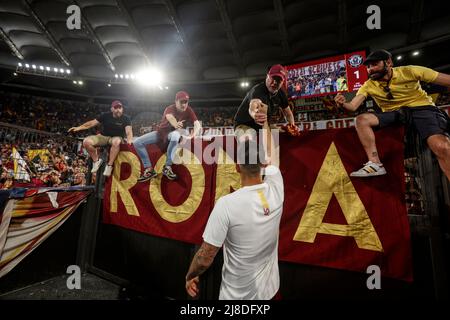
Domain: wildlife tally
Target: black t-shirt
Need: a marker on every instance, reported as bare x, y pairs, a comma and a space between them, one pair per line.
113, 127
274, 102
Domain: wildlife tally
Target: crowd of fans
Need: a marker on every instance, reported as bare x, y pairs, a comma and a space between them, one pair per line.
57, 115
58, 162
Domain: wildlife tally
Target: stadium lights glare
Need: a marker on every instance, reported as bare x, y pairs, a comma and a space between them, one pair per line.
42, 70
121, 76
74, 82
244, 84
149, 77
116, 76
15, 74
416, 53
127, 76
109, 84
80, 83
399, 57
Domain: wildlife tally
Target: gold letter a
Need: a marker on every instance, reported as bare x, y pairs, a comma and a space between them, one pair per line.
333, 179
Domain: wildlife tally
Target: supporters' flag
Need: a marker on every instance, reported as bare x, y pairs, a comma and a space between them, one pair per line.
329, 219
26, 221
20, 166
333, 220
36, 159
38, 154
175, 209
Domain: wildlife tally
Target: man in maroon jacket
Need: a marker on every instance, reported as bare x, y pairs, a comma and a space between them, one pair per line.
173, 119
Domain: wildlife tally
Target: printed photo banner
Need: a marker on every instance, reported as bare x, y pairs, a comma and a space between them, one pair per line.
329, 219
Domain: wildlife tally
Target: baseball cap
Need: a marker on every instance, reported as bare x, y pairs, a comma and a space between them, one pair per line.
182, 95
116, 104
378, 55
278, 70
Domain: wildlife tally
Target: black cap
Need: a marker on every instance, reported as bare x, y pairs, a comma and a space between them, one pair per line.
379, 55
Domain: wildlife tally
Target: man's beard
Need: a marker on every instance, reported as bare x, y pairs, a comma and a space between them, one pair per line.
380, 74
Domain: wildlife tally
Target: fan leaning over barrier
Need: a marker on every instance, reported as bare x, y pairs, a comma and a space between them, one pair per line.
398, 93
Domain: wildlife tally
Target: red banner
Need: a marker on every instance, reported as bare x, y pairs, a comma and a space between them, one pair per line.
332, 220
30, 216
329, 219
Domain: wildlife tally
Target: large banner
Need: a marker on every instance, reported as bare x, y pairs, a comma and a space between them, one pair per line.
329, 219
29, 216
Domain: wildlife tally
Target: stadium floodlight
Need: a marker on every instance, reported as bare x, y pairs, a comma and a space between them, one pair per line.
41, 67
109, 84
416, 53
121, 76
127, 76
20, 64
80, 83
149, 77
132, 76
33, 66
74, 82
47, 68
116, 76
15, 74
55, 69
399, 57
68, 71
27, 65
61, 70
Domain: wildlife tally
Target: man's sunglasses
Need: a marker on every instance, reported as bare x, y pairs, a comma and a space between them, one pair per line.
389, 93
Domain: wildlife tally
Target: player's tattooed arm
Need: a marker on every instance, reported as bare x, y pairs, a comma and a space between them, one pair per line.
202, 260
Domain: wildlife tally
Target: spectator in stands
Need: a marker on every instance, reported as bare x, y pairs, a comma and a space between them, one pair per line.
116, 125
250, 240
398, 93
262, 103
168, 134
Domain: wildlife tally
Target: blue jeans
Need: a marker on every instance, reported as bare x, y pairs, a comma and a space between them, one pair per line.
152, 138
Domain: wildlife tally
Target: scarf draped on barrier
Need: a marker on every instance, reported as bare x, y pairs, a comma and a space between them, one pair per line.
329, 219
29, 216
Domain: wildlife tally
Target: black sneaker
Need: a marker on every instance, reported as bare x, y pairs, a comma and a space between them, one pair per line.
167, 171
147, 175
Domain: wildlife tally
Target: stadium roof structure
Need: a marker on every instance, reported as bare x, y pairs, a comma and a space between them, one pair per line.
206, 46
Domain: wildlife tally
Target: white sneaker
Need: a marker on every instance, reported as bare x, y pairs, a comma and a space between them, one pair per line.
370, 169
108, 170
96, 165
